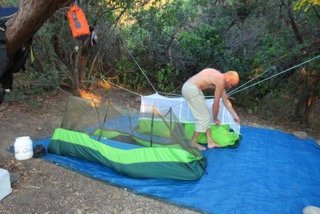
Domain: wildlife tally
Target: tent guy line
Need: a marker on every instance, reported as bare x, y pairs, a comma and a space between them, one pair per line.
277, 74
237, 90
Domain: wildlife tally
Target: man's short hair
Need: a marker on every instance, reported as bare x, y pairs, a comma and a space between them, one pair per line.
234, 76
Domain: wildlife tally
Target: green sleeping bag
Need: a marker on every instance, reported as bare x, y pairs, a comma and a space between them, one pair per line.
159, 128
221, 134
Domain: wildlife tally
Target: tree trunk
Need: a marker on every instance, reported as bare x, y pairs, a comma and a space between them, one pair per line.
294, 26
307, 96
31, 16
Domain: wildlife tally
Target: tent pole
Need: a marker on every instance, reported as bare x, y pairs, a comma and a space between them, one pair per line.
152, 126
170, 121
104, 120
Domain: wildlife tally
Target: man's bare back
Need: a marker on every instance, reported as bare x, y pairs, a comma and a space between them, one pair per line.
208, 78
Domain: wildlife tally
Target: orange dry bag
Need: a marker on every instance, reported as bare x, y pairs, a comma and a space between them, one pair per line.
78, 23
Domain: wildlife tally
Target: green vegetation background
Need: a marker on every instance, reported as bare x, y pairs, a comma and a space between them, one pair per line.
168, 41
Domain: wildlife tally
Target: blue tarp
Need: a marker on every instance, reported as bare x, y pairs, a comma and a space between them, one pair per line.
270, 172
7, 11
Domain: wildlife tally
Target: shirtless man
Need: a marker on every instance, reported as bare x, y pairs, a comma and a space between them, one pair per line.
192, 92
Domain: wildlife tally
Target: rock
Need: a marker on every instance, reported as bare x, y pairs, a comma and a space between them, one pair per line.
311, 210
301, 134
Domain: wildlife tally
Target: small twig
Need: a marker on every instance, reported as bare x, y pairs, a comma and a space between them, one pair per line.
31, 186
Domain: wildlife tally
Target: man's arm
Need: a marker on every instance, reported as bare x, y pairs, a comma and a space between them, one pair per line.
228, 105
216, 104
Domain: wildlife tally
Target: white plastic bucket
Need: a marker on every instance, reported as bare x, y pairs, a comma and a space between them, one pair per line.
23, 148
5, 184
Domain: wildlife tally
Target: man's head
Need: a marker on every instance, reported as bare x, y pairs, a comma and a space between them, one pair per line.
231, 79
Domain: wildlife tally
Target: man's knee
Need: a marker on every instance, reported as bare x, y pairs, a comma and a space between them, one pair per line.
203, 125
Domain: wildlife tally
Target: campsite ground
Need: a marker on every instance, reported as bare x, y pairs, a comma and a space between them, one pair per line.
41, 187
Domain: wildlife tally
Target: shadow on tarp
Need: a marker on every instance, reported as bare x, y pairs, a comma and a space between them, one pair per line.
270, 172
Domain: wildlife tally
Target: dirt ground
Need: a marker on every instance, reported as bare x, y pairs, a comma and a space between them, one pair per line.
42, 187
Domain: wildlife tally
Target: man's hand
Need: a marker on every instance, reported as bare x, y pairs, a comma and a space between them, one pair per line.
236, 119
217, 122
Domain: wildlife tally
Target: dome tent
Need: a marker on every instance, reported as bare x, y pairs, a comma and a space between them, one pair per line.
110, 135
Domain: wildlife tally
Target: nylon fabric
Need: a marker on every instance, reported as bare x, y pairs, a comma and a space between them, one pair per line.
142, 154
134, 161
78, 23
221, 134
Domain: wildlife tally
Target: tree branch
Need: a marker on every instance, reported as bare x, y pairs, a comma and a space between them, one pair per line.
32, 14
